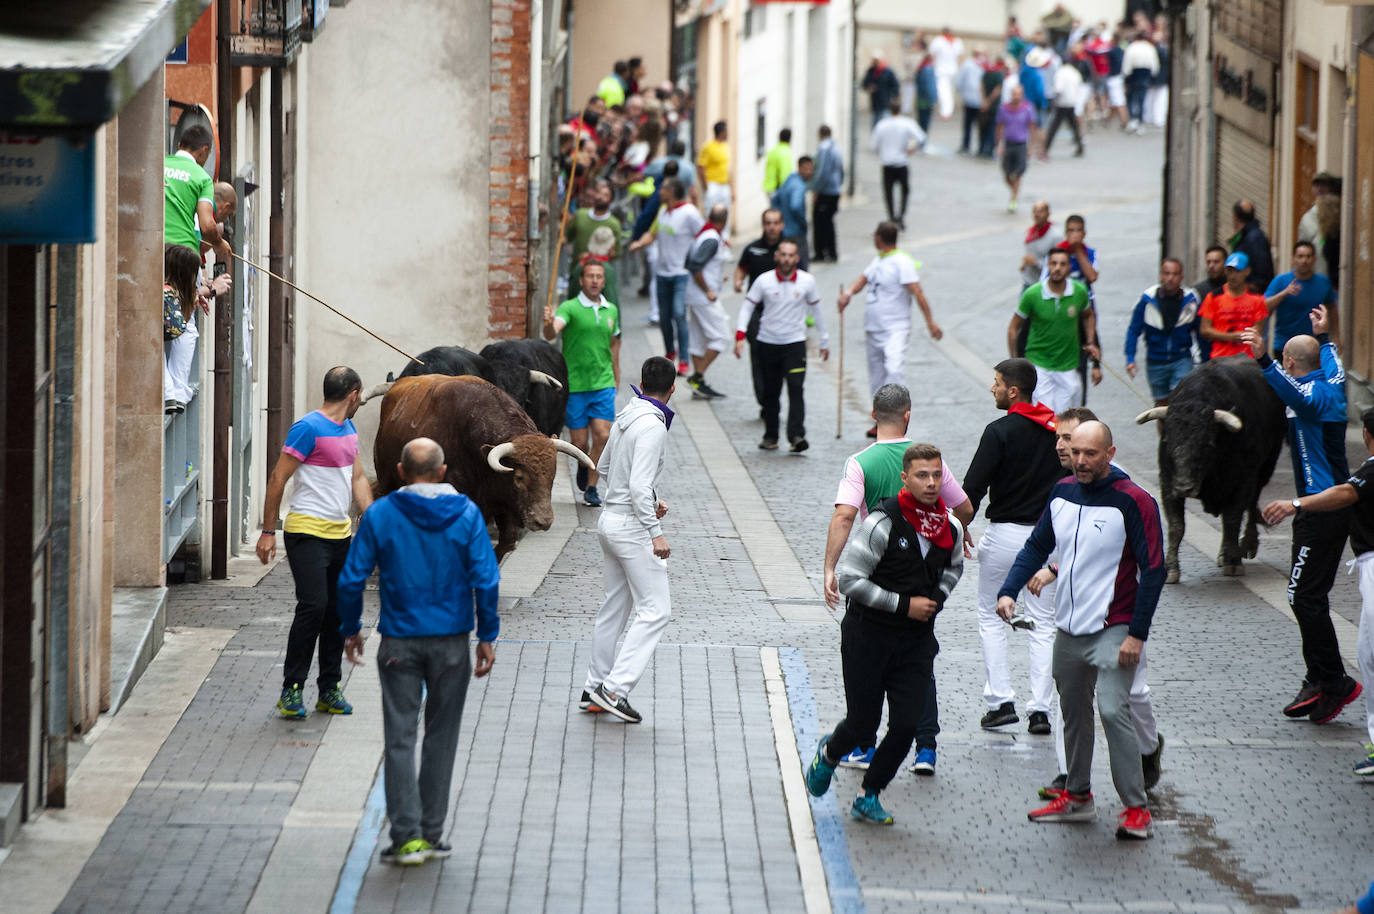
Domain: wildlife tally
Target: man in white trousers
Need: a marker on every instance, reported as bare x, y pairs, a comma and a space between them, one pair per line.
1016, 467
892, 282
708, 326
633, 548
1142, 711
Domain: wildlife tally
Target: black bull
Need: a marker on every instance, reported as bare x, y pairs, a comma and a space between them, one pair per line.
1219, 439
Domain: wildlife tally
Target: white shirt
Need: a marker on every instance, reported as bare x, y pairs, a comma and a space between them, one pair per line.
785, 303
946, 53
714, 270
1068, 82
1140, 55
888, 306
893, 135
675, 231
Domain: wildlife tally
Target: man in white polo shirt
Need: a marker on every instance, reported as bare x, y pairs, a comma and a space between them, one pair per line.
706, 319
785, 294
895, 138
892, 282
675, 229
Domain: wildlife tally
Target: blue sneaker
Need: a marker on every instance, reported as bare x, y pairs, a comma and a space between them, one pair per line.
867, 809
1365, 767
925, 762
332, 701
860, 758
291, 704
591, 498
819, 772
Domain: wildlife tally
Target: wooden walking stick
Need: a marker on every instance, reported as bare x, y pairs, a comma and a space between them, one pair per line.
563, 221
839, 382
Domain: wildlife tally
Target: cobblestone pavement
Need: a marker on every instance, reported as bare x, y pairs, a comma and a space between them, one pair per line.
561, 811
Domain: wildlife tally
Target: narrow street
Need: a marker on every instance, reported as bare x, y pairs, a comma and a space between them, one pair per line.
197, 797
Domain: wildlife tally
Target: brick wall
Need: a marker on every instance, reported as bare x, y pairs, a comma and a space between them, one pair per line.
508, 276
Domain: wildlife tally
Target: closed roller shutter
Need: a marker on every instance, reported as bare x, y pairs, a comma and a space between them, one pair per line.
1243, 173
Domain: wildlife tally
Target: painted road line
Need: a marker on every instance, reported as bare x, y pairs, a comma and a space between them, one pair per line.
524, 570
794, 788
779, 571
845, 895
319, 828
360, 855
51, 850
993, 901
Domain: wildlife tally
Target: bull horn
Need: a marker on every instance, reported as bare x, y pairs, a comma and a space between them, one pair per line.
1150, 415
499, 453
1227, 418
378, 391
548, 380
565, 447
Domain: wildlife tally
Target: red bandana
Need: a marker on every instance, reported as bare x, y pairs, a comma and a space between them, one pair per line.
930, 522
1036, 232
1038, 413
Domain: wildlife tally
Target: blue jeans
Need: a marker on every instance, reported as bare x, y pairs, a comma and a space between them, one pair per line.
1164, 376
672, 312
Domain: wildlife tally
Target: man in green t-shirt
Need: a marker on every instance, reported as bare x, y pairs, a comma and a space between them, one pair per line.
1053, 308
189, 196
778, 165
590, 326
587, 220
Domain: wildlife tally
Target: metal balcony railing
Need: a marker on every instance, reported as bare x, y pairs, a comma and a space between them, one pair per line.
264, 33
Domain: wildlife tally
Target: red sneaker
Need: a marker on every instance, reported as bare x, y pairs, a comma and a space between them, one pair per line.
1134, 824
671, 356
684, 369
1065, 808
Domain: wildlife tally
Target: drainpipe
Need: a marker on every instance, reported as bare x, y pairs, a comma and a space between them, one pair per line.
60, 532
853, 94
224, 317
276, 292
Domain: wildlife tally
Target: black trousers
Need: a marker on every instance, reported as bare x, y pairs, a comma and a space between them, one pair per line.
895, 176
1318, 542
971, 117
881, 662
987, 134
1062, 116
823, 218
315, 565
779, 365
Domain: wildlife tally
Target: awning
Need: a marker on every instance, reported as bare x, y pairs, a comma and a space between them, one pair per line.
68, 66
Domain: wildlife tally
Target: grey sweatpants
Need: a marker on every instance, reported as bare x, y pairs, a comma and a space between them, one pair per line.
417, 808
1082, 662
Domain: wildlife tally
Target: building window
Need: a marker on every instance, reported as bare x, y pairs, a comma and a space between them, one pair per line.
760, 128
753, 20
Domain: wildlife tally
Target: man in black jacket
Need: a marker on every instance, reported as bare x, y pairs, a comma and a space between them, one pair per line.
896, 574
1251, 241
1016, 467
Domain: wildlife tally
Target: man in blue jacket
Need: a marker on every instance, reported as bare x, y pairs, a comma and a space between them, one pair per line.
1311, 384
1167, 314
790, 199
435, 559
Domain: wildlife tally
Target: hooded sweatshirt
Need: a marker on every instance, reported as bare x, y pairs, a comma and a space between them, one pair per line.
632, 460
1015, 465
435, 560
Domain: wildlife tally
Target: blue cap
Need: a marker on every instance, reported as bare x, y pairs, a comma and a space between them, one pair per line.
1238, 261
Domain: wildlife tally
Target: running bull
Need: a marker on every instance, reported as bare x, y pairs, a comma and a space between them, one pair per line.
1219, 439
495, 454
531, 371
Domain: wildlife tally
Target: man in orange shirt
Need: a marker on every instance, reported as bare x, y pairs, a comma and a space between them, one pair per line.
1231, 309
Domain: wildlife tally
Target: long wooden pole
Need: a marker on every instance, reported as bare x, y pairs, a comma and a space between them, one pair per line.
563, 220
238, 256
839, 382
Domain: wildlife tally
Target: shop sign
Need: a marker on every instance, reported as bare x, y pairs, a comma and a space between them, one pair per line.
1243, 87
47, 190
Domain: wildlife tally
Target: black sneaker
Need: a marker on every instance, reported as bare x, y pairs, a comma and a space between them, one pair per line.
768, 444
799, 445
707, 391
1301, 706
583, 476
1149, 764
438, 850
1333, 701
999, 716
617, 706
591, 498
1039, 723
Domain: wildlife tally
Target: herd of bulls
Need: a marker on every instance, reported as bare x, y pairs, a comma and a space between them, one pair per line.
497, 415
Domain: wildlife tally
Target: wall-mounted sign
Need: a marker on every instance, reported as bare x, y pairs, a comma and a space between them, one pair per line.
47, 190
1244, 87
179, 53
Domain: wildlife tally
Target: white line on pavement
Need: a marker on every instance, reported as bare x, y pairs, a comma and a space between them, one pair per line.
51, 850
814, 891
1001, 902
318, 830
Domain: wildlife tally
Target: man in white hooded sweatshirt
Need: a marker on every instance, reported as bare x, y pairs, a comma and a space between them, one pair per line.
633, 548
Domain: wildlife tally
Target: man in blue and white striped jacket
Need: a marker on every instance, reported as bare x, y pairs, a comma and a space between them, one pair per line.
1167, 314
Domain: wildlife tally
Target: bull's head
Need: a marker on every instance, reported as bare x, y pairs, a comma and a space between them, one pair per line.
1190, 438
532, 461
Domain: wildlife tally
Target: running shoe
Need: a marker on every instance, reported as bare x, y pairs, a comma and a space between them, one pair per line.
1038, 723
617, 706
1011, 206
583, 476
1000, 716
291, 704
683, 369
1149, 764
860, 758
1302, 704
768, 444
925, 762
1133, 824
1056, 788
332, 701
820, 771
1365, 766
591, 498
586, 703
412, 853
1065, 808
867, 809
1329, 704
707, 391
799, 445
437, 850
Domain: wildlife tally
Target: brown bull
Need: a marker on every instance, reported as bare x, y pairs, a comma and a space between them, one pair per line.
495, 454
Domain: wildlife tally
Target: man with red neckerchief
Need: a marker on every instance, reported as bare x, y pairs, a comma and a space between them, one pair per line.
896, 574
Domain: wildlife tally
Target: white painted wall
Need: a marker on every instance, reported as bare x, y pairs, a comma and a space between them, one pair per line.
393, 208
